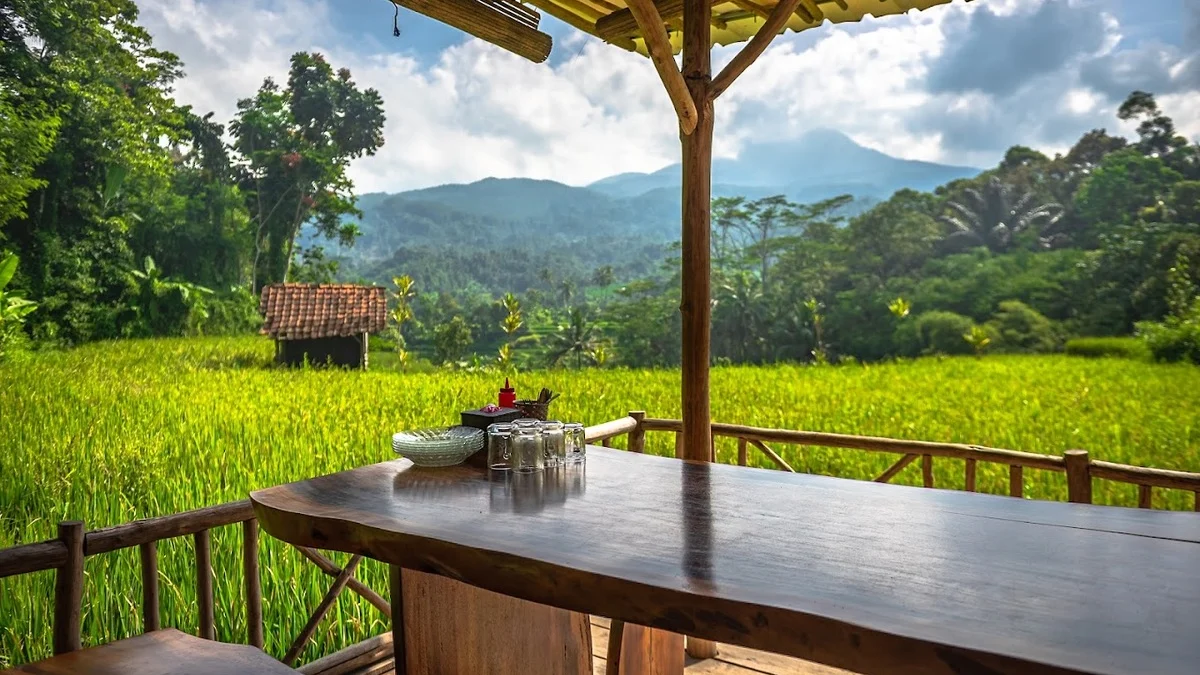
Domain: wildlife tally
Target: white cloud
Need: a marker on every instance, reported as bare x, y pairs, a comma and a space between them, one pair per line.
476, 111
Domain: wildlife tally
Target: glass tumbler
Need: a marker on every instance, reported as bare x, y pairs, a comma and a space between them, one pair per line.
576, 442
499, 447
527, 450
554, 443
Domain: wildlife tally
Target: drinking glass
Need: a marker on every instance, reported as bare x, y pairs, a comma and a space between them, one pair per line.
499, 447
527, 451
554, 443
576, 442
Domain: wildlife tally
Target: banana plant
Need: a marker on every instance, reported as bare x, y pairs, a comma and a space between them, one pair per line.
13, 307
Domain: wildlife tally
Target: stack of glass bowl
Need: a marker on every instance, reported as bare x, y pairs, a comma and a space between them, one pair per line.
438, 446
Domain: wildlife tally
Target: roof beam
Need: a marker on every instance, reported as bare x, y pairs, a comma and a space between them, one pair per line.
622, 24
487, 24
659, 45
752, 7
809, 12
753, 49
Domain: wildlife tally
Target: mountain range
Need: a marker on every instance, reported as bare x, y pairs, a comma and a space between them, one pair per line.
641, 208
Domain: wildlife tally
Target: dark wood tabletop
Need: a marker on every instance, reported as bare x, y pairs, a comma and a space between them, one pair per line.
870, 577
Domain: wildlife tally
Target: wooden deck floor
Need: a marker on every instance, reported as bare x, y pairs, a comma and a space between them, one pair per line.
731, 660
374, 657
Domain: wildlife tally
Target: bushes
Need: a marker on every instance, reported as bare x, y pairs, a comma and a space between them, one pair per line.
232, 313
1176, 339
1115, 347
1021, 328
942, 332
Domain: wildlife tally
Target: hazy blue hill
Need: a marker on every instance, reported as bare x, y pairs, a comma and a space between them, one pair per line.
820, 164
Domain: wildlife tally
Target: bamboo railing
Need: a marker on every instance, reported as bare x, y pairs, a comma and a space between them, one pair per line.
67, 552
1079, 468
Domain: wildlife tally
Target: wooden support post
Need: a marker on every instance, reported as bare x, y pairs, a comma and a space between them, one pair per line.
741, 452
204, 587
696, 301
68, 589
1079, 476
1196, 503
659, 45
616, 632
1145, 496
637, 437
254, 618
150, 615
1016, 481
896, 468
678, 445
970, 477
927, 470
771, 27
398, 644
331, 596
701, 649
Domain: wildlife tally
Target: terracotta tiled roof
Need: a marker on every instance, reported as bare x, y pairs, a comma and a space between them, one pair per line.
301, 311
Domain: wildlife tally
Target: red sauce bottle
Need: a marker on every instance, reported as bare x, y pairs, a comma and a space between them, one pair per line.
508, 396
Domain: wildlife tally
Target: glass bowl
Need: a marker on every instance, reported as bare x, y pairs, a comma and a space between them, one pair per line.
439, 446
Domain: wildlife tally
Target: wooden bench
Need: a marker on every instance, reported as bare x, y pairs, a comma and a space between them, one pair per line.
161, 652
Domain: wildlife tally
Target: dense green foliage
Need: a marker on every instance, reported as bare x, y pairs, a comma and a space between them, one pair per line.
101, 171
1098, 347
116, 431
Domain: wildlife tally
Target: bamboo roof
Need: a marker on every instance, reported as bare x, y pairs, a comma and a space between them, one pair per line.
513, 25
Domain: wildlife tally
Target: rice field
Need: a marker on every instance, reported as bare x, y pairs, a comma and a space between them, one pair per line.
113, 432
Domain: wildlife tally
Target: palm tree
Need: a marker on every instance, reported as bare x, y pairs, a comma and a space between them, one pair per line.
577, 337
995, 214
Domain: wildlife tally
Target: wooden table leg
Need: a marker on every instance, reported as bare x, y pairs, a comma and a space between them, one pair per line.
649, 651
445, 627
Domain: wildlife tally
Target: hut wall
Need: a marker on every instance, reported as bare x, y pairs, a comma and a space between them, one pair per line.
345, 352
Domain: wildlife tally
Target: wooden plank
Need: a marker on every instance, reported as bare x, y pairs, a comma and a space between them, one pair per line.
752, 662
354, 657
68, 589
252, 583
648, 651
661, 54
895, 468
969, 480
204, 585
162, 652
331, 596
1016, 481
150, 609
699, 548
698, 648
927, 470
487, 25
771, 27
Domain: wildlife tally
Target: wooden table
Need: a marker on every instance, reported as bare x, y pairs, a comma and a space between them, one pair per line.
869, 577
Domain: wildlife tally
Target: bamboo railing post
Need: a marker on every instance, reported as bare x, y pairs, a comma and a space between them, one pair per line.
254, 619
616, 634
896, 468
637, 437
970, 477
927, 470
741, 451
1079, 476
1196, 505
331, 597
68, 589
1016, 481
606, 442
1145, 496
204, 588
678, 445
150, 616
328, 567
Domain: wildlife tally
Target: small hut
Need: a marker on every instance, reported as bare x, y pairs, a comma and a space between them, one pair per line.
323, 324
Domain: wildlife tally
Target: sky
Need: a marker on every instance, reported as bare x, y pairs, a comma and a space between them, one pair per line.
958, 83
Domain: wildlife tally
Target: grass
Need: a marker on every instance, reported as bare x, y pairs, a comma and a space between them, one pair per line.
113, 432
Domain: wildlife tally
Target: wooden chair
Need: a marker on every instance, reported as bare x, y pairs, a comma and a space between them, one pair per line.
162, 652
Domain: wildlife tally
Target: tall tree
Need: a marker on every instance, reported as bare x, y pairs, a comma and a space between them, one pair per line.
297, 143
